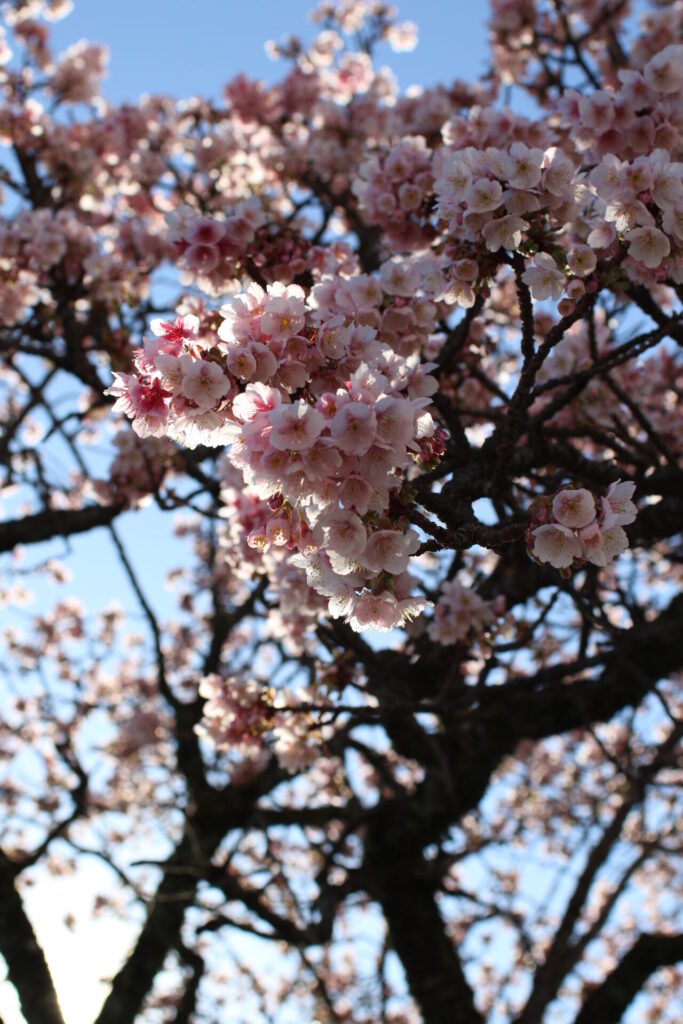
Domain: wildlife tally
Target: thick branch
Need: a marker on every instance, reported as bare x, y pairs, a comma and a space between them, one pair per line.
161, 932
189, 864
609, 1001
560, 958
188, 1001
419, 937
62, 523
26, 964
541, 706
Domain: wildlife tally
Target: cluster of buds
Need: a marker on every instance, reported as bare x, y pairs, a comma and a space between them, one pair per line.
573, 526
432, 449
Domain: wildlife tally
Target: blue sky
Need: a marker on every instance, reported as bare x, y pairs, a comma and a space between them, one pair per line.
185, 49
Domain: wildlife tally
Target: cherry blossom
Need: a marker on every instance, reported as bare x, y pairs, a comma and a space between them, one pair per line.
295, 426
664, 72
649, 245
459, 613
544, 278
574, 508
556, 544
573, 526
617, 507
203, 382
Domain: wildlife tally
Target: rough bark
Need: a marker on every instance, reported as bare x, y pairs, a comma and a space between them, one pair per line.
59, 523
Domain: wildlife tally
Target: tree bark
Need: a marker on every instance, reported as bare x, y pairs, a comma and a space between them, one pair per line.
609, 1001
58, 523
429, 958
162, 930
398, 877
27, 967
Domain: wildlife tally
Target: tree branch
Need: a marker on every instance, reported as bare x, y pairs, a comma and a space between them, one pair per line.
58, 523
609, 1001
26, 964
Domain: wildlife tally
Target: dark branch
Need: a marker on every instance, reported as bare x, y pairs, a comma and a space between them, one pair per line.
26, 964
609, 1001
61, 523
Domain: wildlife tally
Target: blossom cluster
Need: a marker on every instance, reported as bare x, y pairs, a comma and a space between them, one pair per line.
392, 187
492, 199
322, 417
293, 607
249, 722
634, 117
236, 715
642, 201
314, 377
31, 244
461, 614
211, 248
573, 527
137, 470
500, 182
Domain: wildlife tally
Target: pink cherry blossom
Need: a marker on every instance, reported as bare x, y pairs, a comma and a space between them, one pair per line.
582, 260
375, 611
606, 177
504, 232
389, 550
341, 531
556, 544
649, 245
664, 71
597, 111
395, 421
593, 544
484, 195
284, 312
181, 329
295, 426
574, 508
525, 166
460, 612
241, 363
617, 507
667, 182
544, 278
615, 541
402, 37
356, 494
203, 382
201, 258
354, 428
256, 399
398, 277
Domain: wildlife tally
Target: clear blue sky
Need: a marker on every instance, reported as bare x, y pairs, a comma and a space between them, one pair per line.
191, 48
